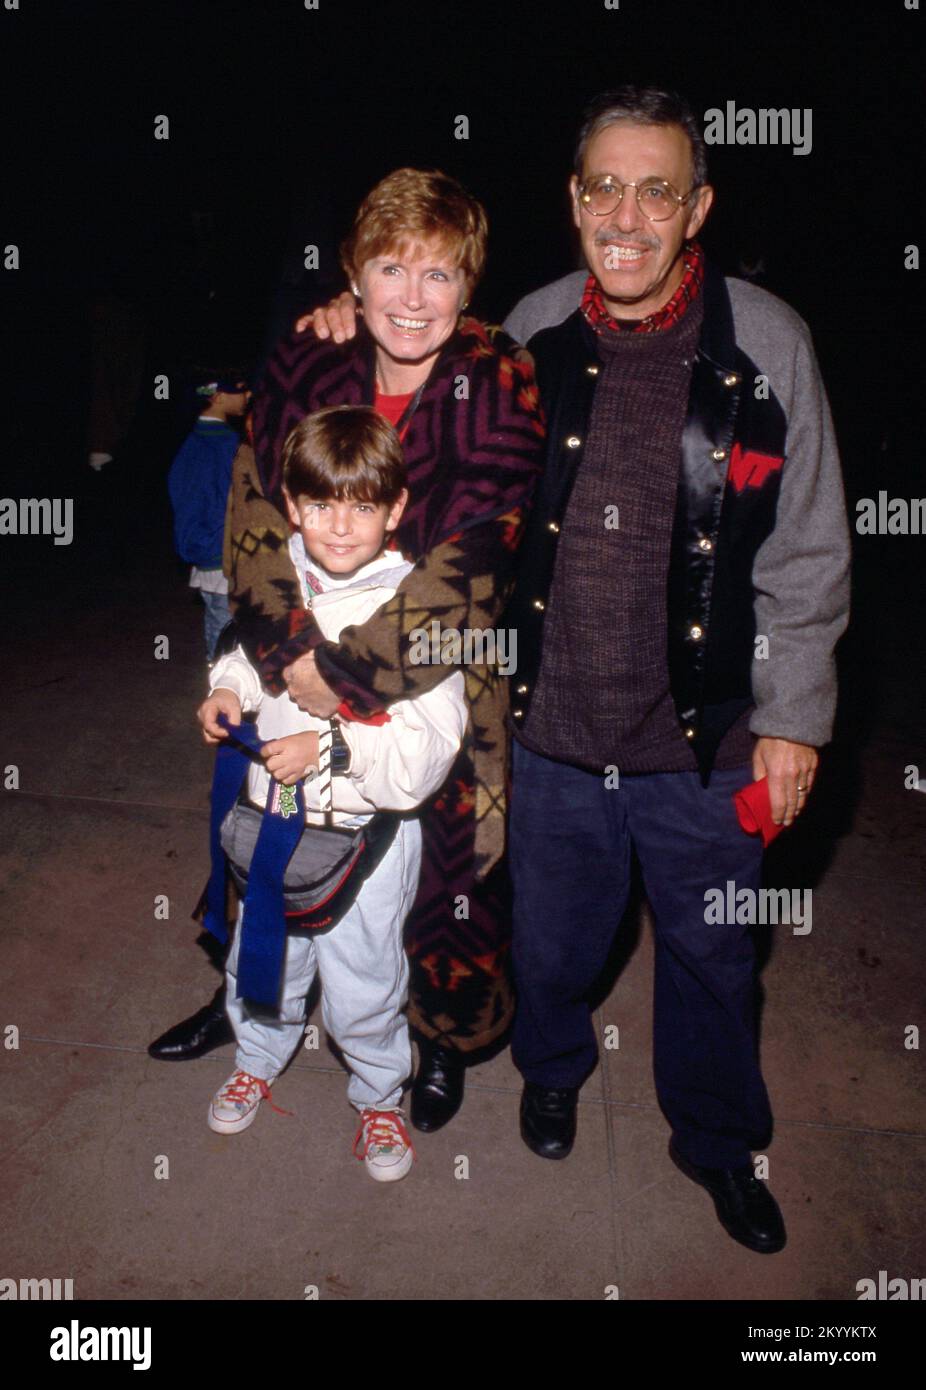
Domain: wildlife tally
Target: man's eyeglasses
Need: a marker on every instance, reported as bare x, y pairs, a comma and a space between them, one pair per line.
656, 199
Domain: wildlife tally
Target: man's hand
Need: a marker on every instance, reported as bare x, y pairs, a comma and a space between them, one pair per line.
308, 689
337, 320
790, 769
219, 702
290, 759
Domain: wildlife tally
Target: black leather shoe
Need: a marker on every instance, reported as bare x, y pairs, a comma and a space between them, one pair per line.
745, 1208
437, 1090
548, 1119
202, 1032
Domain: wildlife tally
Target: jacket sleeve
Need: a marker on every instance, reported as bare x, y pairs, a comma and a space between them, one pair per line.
235, 673
398, 765
801, 573
198, 483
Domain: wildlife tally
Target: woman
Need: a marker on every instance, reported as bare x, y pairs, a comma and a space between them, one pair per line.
468, 415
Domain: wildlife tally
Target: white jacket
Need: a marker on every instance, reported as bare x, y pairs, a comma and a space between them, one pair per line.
394, 766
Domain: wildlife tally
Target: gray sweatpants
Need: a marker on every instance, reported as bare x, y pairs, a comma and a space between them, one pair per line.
364, 985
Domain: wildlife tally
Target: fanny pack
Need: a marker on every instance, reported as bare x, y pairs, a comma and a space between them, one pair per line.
320, 862
290, 875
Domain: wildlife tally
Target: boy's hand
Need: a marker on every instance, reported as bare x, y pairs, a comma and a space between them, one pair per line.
219, 702
290, 759
338, 319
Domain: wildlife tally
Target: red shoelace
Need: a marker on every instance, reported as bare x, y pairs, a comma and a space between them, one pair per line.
381, 1126
237, 1090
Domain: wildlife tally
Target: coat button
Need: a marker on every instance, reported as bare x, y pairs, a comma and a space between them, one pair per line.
517, 714
718, 454
705, 543
554, 527
573, 441
593, 369
521, 689
731, 379
689, 733
539, 604
695, 632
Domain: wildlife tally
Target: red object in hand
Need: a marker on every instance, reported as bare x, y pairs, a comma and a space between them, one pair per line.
754, 811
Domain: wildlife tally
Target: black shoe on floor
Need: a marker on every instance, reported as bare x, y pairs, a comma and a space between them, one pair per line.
745, 1208
437, 1090
548, 1119
202, 1032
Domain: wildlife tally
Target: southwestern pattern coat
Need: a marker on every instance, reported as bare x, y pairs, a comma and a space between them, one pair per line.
473, 448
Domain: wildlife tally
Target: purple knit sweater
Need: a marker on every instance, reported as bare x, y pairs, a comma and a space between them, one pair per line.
602, 697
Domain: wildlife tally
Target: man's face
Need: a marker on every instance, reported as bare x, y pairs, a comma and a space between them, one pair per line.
638, 263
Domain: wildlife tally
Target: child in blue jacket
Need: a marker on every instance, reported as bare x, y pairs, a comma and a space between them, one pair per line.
198, 482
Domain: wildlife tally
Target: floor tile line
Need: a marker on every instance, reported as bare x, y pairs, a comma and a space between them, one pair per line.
108, 801
840, 876
212, 1058
617, 1244
642, 1106
647, 1187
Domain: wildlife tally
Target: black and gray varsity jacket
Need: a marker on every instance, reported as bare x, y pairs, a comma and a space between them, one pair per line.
760, 544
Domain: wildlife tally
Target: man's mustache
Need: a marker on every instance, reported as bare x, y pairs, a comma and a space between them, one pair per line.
606, 238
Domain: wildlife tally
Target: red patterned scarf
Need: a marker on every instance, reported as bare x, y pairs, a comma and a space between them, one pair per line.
593, 305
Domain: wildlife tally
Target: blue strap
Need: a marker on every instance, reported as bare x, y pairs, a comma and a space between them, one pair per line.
263, 925
231, 766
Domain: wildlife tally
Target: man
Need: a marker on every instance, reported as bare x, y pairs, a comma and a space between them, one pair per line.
683, 584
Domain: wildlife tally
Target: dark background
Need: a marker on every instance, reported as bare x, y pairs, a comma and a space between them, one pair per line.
282, 118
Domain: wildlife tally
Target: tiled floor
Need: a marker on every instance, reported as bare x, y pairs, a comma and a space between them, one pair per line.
112, 1178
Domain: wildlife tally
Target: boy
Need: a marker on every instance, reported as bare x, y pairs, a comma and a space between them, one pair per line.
198, 482
344, 484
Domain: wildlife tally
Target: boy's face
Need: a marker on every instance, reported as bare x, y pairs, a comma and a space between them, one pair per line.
232, 403
343, 536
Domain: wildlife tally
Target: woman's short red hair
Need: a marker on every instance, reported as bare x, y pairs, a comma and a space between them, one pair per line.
419, 205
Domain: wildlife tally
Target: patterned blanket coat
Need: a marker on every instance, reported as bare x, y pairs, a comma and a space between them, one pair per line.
473, 449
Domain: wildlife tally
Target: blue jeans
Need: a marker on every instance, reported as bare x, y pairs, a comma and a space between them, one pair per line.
571, 838
218, 614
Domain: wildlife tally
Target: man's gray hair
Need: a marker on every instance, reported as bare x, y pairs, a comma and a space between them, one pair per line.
642, 106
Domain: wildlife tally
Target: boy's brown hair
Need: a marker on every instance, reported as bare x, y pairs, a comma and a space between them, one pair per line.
345, 452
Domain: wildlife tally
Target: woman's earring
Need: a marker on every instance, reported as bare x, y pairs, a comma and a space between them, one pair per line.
355, 290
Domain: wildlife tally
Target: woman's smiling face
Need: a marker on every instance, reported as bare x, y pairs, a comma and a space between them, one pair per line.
412, 300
